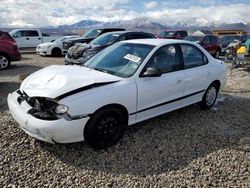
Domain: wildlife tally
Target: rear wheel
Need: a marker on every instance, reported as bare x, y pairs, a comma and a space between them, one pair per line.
105, 128
56, 52
4, 61
209, 97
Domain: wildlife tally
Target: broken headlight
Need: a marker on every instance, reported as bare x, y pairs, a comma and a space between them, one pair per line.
46, 109
61, 109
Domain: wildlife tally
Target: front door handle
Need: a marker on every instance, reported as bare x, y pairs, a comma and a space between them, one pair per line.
27, 38
39, 38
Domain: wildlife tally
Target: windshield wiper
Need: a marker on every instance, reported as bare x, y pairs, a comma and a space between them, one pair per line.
99, 69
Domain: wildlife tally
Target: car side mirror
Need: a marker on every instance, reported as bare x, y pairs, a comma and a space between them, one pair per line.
151, 72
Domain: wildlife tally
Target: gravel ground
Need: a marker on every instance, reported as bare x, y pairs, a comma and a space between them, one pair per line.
185, 148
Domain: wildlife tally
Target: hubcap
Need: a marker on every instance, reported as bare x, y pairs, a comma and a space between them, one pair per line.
3, 62
107, 127
211, 96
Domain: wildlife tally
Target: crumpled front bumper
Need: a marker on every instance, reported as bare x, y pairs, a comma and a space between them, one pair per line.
69, 61
59, 131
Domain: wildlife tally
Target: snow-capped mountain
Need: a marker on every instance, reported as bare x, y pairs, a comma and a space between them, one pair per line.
149, 25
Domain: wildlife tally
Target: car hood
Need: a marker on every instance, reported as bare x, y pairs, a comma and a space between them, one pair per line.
79, 47
79, 39
56, 80
45, 44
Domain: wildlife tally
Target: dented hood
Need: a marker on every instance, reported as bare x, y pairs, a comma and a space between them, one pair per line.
57, 80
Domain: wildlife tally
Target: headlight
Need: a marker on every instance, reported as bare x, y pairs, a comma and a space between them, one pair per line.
61, 109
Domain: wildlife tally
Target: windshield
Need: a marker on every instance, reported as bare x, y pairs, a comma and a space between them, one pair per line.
166, 34
120, 59
105, 39
229, 39
92, 33
194, 38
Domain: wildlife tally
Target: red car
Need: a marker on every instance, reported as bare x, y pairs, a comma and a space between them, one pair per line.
172, 34
8, 50
209, 42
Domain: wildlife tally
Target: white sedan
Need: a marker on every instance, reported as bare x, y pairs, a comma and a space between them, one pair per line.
53, 48
126, 83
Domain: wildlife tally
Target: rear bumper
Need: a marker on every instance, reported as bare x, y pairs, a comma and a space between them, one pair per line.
59, 131
16, 56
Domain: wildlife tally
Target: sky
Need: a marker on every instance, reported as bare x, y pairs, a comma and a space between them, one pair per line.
32, 13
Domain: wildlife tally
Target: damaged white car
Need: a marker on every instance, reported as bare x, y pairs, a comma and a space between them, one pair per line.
126, 83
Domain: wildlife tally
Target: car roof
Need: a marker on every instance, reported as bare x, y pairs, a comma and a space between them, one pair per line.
157, 42
125, 32
203, 35
174, 30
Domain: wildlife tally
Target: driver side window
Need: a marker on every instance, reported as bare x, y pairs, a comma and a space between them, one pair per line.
17, 34
166, 59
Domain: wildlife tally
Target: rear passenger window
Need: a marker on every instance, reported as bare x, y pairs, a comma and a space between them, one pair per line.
29, 34
166, 59
192, 56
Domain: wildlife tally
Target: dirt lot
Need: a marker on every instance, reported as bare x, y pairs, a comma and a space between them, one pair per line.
184, 148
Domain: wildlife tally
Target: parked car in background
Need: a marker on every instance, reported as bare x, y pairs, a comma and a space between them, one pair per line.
209, 42
30, 38
53, 48
87, 37
226, 40
8, 50
126, 83
172, 34
247, 44
80, 53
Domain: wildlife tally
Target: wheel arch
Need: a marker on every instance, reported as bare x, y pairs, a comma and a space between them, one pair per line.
217, 83
119, 107
6, 54
55, 49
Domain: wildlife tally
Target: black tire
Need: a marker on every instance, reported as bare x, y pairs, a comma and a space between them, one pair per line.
105, 128
209, 96
56, 52
4, 61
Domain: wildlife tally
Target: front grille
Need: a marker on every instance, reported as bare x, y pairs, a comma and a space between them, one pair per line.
42, 108
69, 55
75, 55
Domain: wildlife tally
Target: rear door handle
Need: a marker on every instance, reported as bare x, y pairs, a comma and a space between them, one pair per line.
39, 38
179, 81
27, 38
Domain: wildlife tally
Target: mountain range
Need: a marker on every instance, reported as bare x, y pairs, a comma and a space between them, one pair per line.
144, 24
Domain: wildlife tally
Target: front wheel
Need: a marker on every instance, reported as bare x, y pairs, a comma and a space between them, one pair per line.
56, 52
105, 128
209, 97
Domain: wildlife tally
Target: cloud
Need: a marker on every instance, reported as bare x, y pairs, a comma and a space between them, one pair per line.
151, 5
219, 14
57, 12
